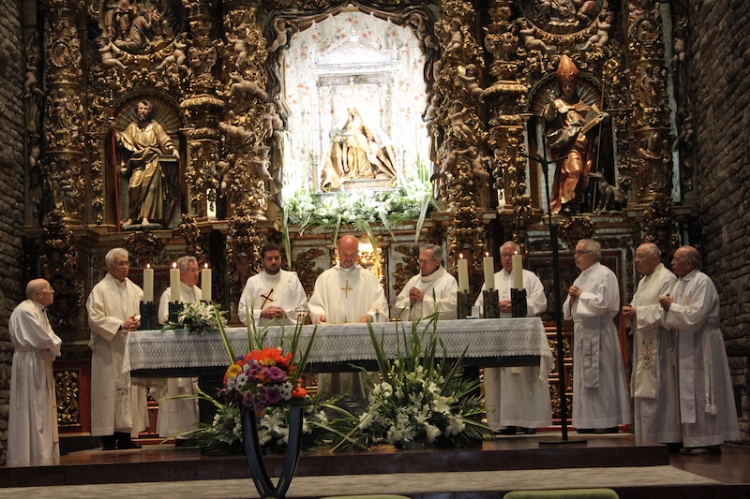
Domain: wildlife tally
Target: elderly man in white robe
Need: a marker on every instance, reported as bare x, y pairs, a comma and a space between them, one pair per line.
600, 392
118, 406
432, 290
347, 293
32, 412
691, 309
178, 417
653, 383
517, 396
272, 294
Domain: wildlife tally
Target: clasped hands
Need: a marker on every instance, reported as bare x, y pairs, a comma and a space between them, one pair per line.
272, 313
365, 318
575, 292
416, 295
131, 323
665, 301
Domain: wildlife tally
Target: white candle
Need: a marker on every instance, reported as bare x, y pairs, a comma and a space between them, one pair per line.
148, 284
463, 274
174, 282
206, 283
489, 272
517, 272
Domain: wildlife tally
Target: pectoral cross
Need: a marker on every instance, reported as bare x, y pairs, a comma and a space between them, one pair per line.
346, 289
590, 355
266, 298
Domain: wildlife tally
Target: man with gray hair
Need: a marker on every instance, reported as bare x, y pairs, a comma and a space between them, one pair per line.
432, 290
118, 407
516, 396
600, 393
691, 309
32, 411
178, 416
654, 378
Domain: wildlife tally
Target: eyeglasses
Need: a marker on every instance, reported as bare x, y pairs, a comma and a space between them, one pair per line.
425, 262
122, 264
507, 255
582, 252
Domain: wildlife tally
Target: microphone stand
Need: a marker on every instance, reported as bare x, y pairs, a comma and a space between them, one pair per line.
558, 301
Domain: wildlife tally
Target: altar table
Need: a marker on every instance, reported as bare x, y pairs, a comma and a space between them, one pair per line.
340, 347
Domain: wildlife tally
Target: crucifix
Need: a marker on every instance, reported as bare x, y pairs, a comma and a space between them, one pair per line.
346, 289
266, 298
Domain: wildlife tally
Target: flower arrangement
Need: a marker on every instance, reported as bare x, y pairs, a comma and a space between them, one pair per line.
263, 378
419, 400
199, 318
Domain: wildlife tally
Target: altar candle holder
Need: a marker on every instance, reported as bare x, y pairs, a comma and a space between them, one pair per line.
174, 310
464, 304
519, 307
491, 304
149, 320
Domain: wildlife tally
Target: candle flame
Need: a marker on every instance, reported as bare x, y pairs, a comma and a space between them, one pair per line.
174, 265
460, 255
148, 265
205, 265
486, 253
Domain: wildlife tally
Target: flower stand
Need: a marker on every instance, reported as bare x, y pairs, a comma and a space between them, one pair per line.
254, 454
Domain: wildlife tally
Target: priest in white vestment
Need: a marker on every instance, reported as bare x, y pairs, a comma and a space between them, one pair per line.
177, 417
432, 290
600, 393
347, 293
118, 406
517, 396
691, 309
653, 384
273, 294
32, 411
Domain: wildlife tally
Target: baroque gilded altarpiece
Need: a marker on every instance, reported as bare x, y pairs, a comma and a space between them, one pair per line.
215, 74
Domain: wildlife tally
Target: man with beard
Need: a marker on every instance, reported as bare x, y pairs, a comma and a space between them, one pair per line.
432, 290
272, 294
654, 378
145, 142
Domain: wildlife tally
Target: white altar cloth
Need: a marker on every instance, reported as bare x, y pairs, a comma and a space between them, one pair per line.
344, 343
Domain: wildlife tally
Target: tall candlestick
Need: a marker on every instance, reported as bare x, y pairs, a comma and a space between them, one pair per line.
206, 283
489, 272
517, 272
463, 274
148, 284
174, 282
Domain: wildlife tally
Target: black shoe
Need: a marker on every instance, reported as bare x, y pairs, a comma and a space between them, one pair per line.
108, 442
128, 444
605, 431
674, 447
529, 431
712, 450
182, 442
585, 430
510, 430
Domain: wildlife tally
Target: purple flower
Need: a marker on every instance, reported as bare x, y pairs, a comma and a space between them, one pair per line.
276, 374
273, 395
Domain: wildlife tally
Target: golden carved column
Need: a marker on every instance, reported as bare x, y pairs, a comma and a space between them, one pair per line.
65, 109
462, 154
203, 108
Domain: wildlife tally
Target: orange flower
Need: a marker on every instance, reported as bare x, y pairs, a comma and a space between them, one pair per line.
299, 391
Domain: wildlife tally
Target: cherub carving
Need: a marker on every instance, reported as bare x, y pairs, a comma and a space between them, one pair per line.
272, 123
241, 85
178, 56
240, 43
260, 163
280, 27
460, 129
235, 131
105, 53
527, 32
471, 154
31, 84
223, 173
601, 37
470, 82
432, 108
424, 35
456, 41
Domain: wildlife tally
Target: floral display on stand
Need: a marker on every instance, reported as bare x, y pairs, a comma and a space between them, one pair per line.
420, 400
199, 318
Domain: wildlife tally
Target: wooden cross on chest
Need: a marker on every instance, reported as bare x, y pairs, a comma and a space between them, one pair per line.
266, 298
346, 289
